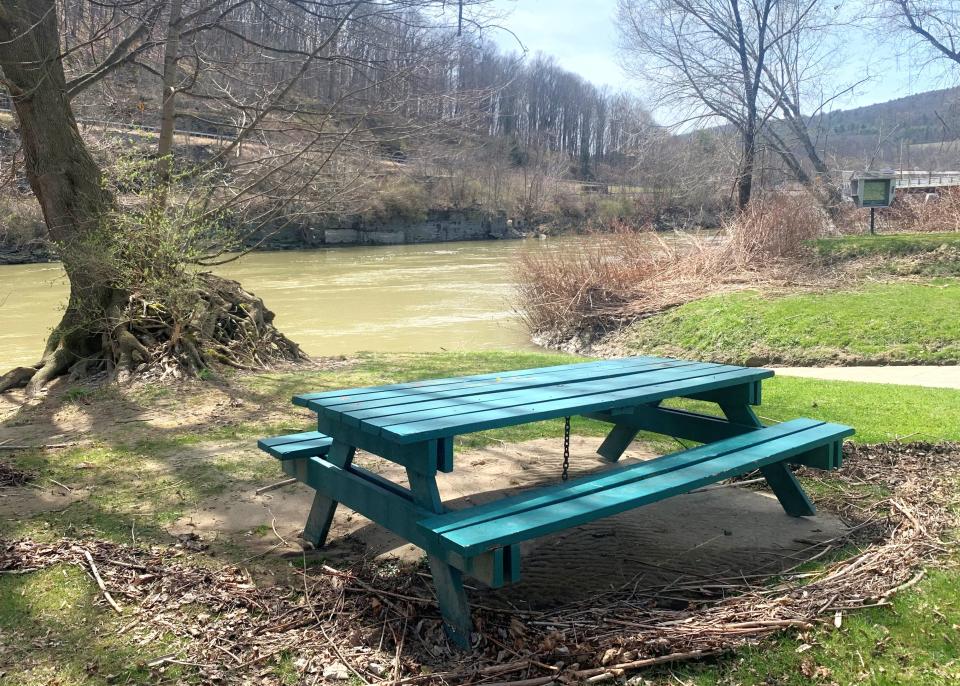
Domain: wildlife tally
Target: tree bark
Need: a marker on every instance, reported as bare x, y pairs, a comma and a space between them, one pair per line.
64, 177
168, 110
109, 322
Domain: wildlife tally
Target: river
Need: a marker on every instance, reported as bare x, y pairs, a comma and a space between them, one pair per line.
407, 298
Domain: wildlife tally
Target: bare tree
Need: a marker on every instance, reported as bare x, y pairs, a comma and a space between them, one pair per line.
934, 26
708, 60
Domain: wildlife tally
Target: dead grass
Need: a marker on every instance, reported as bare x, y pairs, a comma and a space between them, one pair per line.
380, 623
915, 212
629, 273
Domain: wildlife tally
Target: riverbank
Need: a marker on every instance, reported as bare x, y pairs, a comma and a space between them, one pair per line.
916, 323
142, 468
854, 300
434, 226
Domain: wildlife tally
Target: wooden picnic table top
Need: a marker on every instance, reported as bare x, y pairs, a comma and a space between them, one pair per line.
438, 408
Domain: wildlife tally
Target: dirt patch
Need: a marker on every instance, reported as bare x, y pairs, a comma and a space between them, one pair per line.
71, 413
18, 503
716, 533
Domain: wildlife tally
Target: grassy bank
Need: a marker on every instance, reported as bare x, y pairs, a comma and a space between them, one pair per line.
896, 323
892, 245
148, 456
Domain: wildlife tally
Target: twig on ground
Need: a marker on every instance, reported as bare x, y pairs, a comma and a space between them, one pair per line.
103, 588
273, 487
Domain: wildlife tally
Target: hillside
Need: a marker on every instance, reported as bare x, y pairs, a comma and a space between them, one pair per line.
909, 131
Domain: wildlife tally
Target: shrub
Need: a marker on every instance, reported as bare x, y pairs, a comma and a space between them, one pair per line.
398, 201
917, 212
21, 221
627, 274
774, 226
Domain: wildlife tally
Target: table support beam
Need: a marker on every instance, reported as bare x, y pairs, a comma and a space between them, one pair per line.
788, 490
780, 479
447, 579
321, 512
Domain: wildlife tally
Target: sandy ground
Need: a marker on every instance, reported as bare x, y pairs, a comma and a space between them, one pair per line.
930, 376
715, 533
31, 500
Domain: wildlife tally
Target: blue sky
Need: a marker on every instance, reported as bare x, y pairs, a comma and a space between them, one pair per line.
582, 36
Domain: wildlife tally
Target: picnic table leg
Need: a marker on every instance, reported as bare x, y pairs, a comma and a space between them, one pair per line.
321, 512
618, 440
447, 580
780, 479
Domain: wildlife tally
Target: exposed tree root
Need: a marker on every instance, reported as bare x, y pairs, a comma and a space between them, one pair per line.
226, 325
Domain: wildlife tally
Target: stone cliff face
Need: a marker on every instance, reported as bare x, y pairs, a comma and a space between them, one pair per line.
439, 226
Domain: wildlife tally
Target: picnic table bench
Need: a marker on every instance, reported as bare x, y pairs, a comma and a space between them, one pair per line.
414, 425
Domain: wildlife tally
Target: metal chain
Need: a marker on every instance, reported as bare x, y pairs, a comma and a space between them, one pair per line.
564, 475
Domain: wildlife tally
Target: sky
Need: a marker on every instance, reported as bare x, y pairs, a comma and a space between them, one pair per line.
582, 36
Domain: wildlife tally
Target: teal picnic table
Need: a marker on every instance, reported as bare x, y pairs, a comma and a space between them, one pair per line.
415, 424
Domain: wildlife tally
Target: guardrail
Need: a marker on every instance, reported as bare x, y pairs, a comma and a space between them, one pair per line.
928, 180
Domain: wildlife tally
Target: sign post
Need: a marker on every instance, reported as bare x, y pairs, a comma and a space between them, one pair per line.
873, 190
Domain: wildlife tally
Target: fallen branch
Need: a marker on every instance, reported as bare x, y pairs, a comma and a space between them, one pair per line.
103, 588
273, 487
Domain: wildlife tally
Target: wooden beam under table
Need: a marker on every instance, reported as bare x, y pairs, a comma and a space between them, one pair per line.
392, 507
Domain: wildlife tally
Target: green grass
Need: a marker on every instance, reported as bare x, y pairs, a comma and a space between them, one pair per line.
57, 631
915, 642
899, 323
52, 633
893, 245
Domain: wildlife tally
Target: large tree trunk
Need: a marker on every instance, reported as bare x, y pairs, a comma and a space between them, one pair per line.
109, 324
64, 177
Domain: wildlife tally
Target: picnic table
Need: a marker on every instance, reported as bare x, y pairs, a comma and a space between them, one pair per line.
415, 424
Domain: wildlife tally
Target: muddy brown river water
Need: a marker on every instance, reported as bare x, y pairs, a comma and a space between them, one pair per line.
407, 298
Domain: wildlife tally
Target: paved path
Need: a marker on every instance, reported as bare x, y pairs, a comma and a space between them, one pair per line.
933, 377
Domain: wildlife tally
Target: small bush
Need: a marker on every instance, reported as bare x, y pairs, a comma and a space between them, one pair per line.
628, 274
399, 201
774, 226
918, 212
21, 221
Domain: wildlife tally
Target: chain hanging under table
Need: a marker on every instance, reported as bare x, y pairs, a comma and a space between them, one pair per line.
564, 475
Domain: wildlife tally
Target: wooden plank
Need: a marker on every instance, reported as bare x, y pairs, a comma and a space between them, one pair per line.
493, 401
422, 455
612, 478
569, 513
399, 514
447, 579
582, 367
324, 505
368, 405
785, 486
307, 448
265, 443
617, 441
496, 396
504, 397
748, 394
691, 426
524, 413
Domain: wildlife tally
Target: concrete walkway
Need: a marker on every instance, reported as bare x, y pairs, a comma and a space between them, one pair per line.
932, 376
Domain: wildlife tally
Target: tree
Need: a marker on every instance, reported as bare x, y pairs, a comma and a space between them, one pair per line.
134, 296
933, 24
708, 59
